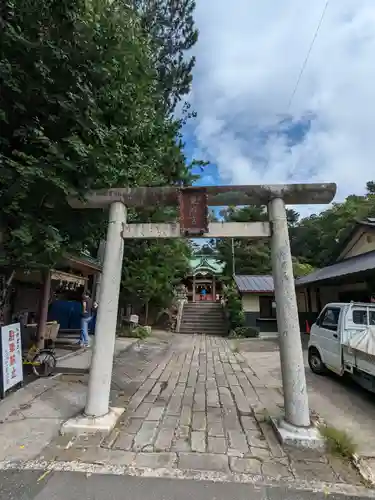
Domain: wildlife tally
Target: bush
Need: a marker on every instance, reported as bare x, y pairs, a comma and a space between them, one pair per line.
234, 307
141, 332
245, 332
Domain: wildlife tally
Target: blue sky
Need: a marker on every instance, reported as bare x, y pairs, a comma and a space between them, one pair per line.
248, 59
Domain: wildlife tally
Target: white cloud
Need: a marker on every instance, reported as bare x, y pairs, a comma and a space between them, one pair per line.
249, 56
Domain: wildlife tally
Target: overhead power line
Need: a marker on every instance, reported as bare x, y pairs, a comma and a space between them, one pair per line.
303, 67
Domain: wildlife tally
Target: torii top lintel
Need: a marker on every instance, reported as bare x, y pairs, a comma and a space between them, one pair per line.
292, 194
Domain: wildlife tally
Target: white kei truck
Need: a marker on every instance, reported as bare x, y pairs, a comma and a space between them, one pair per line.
342, 340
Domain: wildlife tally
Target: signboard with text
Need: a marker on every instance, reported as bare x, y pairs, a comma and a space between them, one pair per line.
193, 212
11, 356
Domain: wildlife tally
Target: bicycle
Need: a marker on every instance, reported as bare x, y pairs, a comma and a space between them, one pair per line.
42, 361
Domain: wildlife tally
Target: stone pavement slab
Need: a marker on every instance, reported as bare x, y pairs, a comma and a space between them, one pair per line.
199, 406
203, 461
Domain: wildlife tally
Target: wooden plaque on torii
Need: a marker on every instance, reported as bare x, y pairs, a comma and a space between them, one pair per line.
193, 212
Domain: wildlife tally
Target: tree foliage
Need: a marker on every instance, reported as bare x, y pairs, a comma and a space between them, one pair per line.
151, 270
206, 249
87, 94
315, 240
233, 306
170, 24
251, 257
80, 109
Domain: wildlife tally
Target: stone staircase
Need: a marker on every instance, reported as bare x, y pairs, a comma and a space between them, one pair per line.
203, 317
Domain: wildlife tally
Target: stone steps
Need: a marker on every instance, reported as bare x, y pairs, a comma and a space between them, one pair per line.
197, 324
200, 331
206, 322
206, 317
203, 318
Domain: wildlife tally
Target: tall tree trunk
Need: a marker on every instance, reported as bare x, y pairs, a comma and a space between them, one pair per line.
5, 292
146, 312
7, 284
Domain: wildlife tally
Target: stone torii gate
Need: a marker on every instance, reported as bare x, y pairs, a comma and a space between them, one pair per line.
295, 427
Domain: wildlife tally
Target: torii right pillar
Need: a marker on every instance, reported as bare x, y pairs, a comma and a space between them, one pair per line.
295, 427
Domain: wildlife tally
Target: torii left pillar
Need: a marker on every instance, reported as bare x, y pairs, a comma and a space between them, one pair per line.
98, 415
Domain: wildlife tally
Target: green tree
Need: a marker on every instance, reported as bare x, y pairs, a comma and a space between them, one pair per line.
170, 24
234, 308
152, 268
207, 249
254, 257
80, 109
87, 94
251, 257
317, 239
301, 269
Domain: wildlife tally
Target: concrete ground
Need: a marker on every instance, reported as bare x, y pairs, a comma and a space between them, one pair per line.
196, 409
31, 485
81, 359
31, 417
339, 401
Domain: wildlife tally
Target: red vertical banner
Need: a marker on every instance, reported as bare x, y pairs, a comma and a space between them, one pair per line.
193, 212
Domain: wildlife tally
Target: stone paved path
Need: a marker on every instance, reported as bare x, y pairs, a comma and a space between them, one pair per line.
192, 405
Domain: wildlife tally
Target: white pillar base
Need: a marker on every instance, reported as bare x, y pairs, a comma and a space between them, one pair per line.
298, 437
82, 424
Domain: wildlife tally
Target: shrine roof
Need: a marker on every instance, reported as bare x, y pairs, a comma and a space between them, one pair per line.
206, 262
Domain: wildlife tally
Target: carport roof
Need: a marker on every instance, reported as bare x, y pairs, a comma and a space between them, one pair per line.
353, 265
254, 284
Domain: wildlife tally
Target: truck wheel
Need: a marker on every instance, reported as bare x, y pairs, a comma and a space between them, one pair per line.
315, 362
